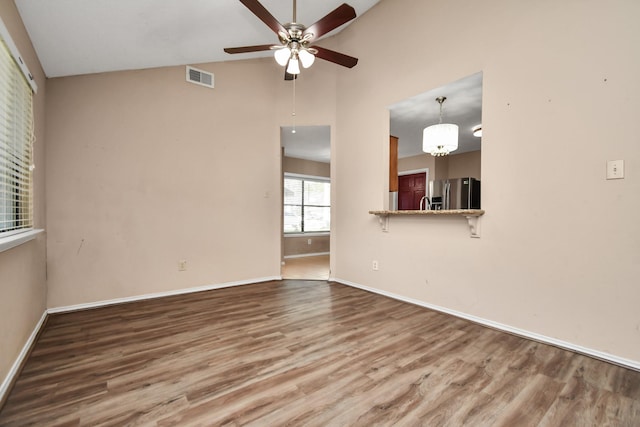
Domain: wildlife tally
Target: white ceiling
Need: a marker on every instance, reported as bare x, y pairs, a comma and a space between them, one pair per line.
308, 142
74, 37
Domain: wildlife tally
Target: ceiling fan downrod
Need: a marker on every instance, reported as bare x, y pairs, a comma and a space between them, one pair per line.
295, 4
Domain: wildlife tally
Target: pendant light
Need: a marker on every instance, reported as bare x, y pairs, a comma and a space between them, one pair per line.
440, 139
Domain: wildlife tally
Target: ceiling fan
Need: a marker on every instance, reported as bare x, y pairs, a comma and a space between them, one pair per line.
295, 39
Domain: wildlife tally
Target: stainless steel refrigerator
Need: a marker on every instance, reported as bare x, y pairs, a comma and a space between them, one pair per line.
456, 193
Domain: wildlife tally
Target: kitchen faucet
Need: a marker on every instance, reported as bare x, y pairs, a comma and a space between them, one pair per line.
422, 206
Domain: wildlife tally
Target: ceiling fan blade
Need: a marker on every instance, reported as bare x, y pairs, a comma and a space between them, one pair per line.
341, 15
263, 14
335, 57
245, 49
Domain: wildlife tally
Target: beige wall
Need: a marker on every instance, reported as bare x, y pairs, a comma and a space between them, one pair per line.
465, 164
459, 166
452, 166
146, 169
421, 161
306, 167
299, 245
566, 268
23, 268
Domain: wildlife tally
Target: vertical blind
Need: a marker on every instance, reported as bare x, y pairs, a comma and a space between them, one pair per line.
16, 145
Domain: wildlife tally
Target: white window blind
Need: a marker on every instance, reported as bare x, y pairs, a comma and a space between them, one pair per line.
307, 205
16, 145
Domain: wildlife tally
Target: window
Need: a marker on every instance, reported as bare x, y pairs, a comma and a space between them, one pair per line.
16, 141
307, 205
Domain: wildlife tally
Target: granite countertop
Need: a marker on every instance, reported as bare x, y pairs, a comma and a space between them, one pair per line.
460, 212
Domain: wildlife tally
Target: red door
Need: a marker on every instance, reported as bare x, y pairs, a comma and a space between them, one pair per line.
411, 188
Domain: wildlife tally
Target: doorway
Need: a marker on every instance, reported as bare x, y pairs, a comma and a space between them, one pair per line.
306, 202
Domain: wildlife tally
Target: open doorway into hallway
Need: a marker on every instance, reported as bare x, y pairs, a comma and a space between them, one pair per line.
306, 202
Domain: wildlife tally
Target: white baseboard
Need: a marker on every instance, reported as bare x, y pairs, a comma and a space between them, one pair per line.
135, 298
627, 363
306, 255
15, 368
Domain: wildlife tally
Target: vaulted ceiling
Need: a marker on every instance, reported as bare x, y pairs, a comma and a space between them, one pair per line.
74, 37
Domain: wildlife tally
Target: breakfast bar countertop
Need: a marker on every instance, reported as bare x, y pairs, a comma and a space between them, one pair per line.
461, 212
471, 215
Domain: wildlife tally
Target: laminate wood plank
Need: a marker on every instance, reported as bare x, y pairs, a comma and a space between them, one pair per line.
314, 267
304, 353
536, 396
581, 403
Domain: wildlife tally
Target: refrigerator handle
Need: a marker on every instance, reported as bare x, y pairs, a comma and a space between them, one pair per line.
447, 188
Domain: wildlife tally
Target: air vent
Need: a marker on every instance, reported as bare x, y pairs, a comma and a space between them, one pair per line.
199, 77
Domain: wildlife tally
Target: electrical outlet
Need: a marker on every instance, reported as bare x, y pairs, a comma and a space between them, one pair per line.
308, 241
182, 265
375, 266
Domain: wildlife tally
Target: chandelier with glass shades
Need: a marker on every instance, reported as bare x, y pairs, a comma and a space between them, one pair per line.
440, 139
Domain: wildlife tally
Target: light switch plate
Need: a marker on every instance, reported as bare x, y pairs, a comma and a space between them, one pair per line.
615, 169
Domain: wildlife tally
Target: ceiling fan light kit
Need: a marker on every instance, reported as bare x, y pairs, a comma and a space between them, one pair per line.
294, 66
306, 58
440, 139
295, 39
282, 56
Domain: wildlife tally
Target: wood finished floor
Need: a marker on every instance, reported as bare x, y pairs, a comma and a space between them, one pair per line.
306, 268
305, 353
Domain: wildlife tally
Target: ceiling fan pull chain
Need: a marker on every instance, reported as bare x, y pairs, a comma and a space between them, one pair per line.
293, 114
